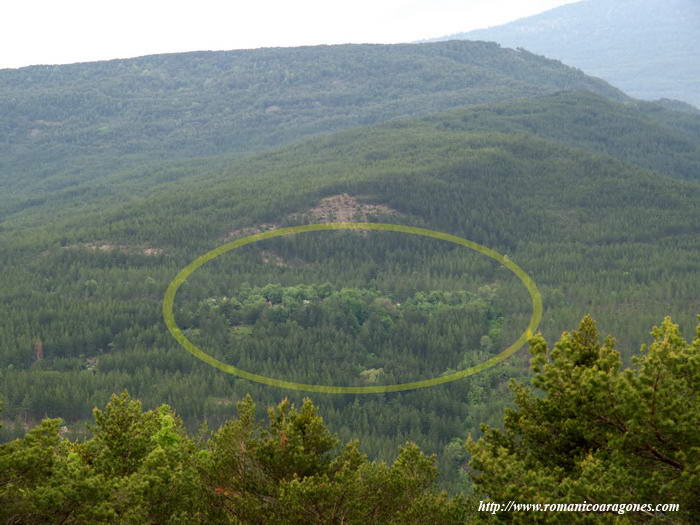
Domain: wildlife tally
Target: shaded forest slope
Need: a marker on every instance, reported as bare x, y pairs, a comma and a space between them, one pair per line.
80, 305
642, 133
63, 125
598, 235
648, 135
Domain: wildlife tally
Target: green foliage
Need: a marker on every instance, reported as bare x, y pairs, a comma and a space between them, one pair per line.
596, 234
645, 134
291, 472
141, 467
352, 336
600, 433
588, 433
96, 131
138, 468
97, 221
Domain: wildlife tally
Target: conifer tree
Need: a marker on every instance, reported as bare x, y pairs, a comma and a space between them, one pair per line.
600, 433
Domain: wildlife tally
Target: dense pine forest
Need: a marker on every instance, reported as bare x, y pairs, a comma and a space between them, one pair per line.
586, 439
159, 160
67, 131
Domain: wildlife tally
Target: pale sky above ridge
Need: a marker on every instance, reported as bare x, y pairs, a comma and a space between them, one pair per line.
66, 31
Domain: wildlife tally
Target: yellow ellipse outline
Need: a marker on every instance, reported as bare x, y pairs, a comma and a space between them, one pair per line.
181, 277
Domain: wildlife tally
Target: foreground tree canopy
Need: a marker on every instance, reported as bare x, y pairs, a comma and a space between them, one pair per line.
599, 433
593, 432
141, 467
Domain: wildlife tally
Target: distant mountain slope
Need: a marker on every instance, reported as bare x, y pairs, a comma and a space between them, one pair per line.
79, 121
598, 236
238, 100
645, 134
647, 48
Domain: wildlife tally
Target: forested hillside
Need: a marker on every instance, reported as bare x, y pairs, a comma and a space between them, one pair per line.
116, 175
81, 295
570, 452
650, 135
645, 134
640, 46
61, 126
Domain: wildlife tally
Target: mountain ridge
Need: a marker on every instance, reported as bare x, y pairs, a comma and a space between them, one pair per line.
84, 275
643, 134
204, 103
638, 46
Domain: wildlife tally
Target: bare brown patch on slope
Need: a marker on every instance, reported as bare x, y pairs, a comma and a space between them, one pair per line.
344, 208
249, 230
124, 248
336, 208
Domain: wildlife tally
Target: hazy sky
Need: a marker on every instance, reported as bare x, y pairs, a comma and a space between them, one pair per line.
64, 31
